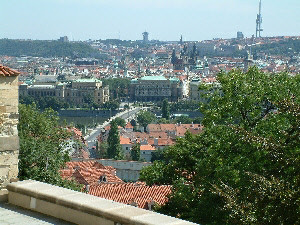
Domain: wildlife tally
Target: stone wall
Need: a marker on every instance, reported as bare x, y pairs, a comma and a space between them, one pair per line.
9, 140
81, 208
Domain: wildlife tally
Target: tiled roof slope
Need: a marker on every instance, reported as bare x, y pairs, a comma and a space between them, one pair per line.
147, 147
8, 72
89, 172
84, 164
132, 193
92, 176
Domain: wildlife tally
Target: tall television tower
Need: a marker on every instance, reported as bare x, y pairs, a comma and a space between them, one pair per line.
259, 21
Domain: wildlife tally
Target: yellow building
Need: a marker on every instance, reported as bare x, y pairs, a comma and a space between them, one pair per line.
74, 92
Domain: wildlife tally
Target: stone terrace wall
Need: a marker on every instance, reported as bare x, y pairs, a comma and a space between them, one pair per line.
9, 140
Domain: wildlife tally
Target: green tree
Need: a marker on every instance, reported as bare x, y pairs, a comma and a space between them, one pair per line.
120, 121
243, 168
88, 99
42, 146
45, 102
163, 121
113, 141
112, 105
183, 119
157, 155
135, 152
126, 106
46, 48
165, 110
102, 150
118, 87
145, 117
133, 122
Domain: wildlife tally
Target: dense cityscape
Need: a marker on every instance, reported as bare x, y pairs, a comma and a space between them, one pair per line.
203, 131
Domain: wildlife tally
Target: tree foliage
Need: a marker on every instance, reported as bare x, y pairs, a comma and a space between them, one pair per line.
102, 150
56, 103
112, 105
284, 47
165, 110
118, 87
113, 141
42, 146
45, 102
135, 152
120, 121
244, 167
186, 105
145, 117
46, 48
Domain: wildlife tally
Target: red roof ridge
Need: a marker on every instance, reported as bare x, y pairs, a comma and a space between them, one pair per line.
6, 71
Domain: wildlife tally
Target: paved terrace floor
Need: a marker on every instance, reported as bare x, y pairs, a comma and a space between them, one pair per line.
13, 215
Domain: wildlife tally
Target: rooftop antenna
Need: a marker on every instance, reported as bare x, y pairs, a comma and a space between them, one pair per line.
259, 21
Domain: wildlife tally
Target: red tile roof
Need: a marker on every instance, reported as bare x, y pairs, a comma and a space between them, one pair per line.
89, 172
93, 176
146, 148
129, 126
108, 127
161, 127
193, 128
124, 141
84, 164
76, 131
8, 72
129, 193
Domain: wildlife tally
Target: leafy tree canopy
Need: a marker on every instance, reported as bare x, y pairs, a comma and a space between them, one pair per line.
244, 167
45, 102
113, 105
165, 110
118, 87
42, 146
46, 48
145, 117
135, 152
120, 121
114, 150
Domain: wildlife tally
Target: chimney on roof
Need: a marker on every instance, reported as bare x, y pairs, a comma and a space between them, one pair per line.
156, 141
150, 205
113, 172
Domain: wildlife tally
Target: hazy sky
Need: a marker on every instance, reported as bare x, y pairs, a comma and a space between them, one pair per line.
163, 19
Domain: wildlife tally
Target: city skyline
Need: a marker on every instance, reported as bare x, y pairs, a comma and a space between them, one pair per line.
128, 19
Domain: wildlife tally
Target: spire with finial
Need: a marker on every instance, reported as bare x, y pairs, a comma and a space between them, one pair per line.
181, 41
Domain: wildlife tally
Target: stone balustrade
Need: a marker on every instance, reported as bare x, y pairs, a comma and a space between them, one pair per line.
81, 208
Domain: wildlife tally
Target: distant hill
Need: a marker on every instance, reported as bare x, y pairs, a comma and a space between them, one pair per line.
285, 47
46, 48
